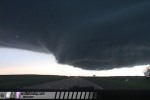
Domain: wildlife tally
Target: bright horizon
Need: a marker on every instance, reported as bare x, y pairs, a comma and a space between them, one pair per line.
18, 61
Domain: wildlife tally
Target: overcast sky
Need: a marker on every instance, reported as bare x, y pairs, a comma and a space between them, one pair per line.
88, 34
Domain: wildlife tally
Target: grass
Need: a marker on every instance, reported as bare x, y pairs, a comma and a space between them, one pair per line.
122, 82
20, 81
119, 82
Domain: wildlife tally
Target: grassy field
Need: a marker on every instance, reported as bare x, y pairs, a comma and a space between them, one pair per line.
20, 81
122, 82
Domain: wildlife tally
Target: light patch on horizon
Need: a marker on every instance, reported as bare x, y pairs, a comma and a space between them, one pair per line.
17, 61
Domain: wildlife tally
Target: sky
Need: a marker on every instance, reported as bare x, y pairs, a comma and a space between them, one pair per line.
17, 61
94, 35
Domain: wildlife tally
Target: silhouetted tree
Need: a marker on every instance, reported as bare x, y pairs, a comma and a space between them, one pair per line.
147, 72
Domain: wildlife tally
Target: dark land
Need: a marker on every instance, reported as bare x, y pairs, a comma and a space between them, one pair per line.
21, 81
108, 88
107, 83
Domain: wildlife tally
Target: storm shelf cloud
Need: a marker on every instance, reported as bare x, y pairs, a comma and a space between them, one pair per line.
88, 34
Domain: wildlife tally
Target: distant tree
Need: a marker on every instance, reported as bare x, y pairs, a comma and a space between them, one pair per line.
147, 71
94, 75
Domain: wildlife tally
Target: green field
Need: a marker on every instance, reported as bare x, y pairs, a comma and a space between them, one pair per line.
122, 82
21, 81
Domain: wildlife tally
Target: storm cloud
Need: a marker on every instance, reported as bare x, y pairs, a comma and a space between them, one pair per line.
90, 34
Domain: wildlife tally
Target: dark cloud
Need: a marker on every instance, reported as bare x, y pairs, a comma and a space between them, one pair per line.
89, 34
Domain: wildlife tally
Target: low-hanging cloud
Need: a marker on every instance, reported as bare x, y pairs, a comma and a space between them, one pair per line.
86, 34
